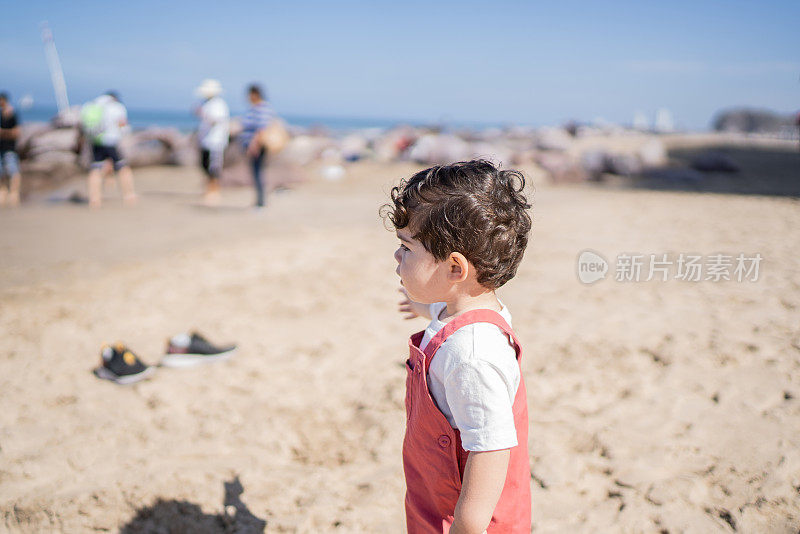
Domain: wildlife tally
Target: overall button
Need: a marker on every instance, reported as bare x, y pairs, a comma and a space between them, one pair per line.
444, 441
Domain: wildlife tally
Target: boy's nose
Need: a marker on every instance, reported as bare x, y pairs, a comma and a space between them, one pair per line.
397, 255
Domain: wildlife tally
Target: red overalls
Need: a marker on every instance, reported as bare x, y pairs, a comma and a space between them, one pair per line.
433, 459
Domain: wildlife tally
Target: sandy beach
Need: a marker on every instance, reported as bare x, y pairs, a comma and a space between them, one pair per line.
654, 406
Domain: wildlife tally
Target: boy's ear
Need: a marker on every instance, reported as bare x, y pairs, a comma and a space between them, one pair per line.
459, 267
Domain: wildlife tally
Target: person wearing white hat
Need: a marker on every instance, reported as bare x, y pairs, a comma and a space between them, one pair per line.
212, 135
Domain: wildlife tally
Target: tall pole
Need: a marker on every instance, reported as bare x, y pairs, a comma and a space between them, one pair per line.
56, 74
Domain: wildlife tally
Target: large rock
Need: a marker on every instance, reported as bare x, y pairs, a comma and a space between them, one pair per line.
522, 133
59, 139
354, 147
186, 153
653, 154
153, 146
714, 162
748, 120
553, 139
393, 144
432, 149
237, 175
51, 167
186, 156
493, 151
144, 148
624, 164
234, 155
179, 145
304, 149
69, 118
561, 168
27, 132
594, 163
598, 162
150, 152
55, 158
170, 137
674, 174
524, 155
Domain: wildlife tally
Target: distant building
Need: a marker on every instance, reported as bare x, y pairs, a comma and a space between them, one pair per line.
664, 122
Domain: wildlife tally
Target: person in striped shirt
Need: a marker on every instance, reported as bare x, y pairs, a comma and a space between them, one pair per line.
257, 119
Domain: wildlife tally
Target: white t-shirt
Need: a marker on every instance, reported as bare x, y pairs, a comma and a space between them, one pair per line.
213, 132
114, 113
473, 378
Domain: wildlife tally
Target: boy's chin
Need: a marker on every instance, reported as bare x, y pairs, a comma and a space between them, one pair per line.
422, 300
419, 299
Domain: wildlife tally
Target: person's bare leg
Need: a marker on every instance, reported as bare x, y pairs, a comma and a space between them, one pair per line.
126, 184
13, 190
211, 198
3, 192
109, 183
95, 187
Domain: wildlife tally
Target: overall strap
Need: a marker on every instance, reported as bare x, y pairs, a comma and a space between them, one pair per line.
467, 318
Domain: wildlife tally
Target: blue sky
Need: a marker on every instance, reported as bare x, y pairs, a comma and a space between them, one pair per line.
521, 62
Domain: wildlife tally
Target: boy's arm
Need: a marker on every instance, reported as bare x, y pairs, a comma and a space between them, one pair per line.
484, 477
411, 308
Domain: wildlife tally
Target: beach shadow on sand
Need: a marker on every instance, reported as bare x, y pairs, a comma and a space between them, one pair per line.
174, 516
762, 171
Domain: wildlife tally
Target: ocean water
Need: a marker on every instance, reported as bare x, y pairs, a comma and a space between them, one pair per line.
186, 121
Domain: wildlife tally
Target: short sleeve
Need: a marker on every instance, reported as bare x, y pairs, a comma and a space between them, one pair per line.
478, 397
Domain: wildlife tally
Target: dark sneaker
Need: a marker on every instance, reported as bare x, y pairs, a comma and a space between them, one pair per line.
122, 366
186, 350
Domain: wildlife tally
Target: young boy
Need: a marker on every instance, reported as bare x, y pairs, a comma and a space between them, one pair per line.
463, 229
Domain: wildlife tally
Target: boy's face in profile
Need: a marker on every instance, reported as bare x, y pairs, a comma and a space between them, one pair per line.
423, 277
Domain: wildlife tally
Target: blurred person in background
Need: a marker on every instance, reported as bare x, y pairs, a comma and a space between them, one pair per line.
797, 121
105, 120
9, 161
212, 135
258, 117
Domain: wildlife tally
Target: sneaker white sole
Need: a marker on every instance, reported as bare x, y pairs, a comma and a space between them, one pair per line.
104, 373
191, 360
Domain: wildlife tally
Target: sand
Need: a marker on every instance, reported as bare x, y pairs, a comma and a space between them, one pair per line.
654, 406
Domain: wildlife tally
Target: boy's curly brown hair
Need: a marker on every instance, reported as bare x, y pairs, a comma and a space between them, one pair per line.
471, 207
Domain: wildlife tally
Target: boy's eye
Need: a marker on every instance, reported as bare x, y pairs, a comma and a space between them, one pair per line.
402, 246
